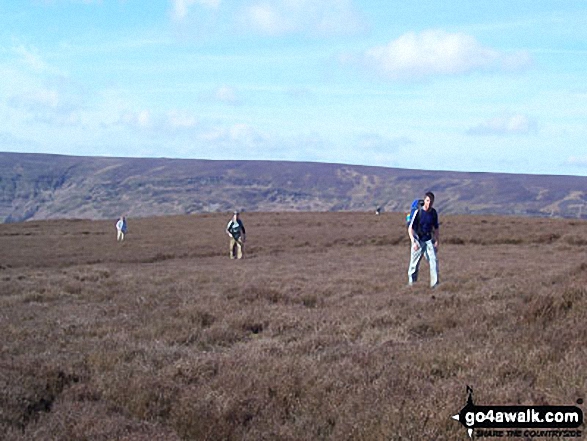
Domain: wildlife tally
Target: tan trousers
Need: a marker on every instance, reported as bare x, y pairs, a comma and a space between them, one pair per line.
236, 248
120, 236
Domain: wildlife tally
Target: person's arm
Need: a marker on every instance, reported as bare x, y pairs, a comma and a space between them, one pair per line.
228, 229
436, 231
411, 232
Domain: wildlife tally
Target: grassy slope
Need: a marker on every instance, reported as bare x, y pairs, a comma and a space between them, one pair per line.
313, 336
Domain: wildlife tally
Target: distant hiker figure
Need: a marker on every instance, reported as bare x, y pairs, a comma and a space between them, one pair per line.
236, 231
424, 235
121, 229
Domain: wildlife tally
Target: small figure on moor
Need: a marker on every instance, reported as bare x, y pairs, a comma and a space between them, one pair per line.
424, 234
236, 231
121, 229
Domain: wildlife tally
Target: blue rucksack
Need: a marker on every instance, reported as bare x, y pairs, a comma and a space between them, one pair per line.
416, 206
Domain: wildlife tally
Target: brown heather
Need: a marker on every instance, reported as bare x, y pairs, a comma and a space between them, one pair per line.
313, 336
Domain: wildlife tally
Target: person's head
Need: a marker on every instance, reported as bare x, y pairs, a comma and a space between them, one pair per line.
428, 200
236, 214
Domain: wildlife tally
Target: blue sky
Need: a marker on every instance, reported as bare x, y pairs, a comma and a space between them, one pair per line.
484, 85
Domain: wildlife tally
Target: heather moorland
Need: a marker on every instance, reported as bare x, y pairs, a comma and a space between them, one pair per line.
313, 336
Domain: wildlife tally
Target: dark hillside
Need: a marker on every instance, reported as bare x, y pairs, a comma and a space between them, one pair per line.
52, 187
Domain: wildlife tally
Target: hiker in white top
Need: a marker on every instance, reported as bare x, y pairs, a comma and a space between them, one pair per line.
121, 229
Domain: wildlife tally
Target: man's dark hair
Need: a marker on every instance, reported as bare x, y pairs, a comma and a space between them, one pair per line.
430, 195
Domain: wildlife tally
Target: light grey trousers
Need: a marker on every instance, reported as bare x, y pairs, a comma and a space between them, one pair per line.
425, 248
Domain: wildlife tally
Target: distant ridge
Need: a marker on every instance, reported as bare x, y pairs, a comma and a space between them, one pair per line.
40, 186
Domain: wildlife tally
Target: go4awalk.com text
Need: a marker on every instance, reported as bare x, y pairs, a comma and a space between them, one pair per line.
520, 421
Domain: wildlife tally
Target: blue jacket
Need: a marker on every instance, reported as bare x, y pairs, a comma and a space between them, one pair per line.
425, 226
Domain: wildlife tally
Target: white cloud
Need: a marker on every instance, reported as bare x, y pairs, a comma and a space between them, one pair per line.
135, 119
26, 68
301, 94
372, 142
10, 142
47, 105
375, 149
249, 142
34, 91
143, 118
35, 99
240, 135
577, 161
31, 58
435, 52
224, 94
181, 120
268, 20
245, 134
181, 8
162, 123
517, 124
87, 2
318, 18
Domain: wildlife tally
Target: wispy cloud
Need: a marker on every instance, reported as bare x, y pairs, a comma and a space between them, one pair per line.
87, 2
240, 134
255, 143
577, 161
30, 58
226, 94
517, 124
301, 94
181, 120
373, 142
146, 119
416, 56
222, 94
36, 99
47, 105
11, 142
181, 8
141, 119
380, 150
315, 18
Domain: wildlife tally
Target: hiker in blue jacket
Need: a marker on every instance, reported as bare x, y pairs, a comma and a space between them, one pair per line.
425, 236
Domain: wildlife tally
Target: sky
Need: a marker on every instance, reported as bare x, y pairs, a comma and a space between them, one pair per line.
463, 85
